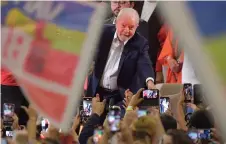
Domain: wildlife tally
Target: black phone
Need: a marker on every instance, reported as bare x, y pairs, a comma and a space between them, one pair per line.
87, 106
198, 94
151, 98
187, 89
164, 104
114, 117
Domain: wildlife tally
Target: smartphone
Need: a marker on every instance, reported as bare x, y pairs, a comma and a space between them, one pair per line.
8, 109
142, 112
204, 134
87, 106
187, 88
44, 124
164, 104
114, 117
98, 133
198, 94
193, 135
9, 133
151, 98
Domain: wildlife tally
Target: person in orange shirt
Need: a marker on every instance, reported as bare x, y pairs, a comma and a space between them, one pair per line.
172, 56
160, 75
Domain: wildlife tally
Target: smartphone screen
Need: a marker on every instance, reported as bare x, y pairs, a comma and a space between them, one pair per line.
151, 97
98, 133
193, 135
114, 117
188, 110
188, 93
87, 107
142, 112
200, 134
44, 124
8, 109
9, 133
204, 134
164, 104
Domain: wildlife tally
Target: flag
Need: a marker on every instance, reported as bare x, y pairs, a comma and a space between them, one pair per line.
201, 30
48, 46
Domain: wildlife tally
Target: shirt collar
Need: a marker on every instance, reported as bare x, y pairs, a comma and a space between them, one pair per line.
114, 19
116, 37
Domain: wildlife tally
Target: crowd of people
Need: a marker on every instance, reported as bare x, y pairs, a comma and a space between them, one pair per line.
125, 105
151, 127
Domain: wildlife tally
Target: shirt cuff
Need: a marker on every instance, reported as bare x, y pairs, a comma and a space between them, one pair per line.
150, 78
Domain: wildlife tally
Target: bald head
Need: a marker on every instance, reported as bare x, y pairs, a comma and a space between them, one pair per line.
126, 23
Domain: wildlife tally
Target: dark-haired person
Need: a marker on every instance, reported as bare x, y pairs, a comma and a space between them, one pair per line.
201, 119
176, 137
11, 93
168, 122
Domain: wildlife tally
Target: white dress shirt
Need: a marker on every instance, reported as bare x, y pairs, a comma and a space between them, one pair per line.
114, 20
188, 73
110, 74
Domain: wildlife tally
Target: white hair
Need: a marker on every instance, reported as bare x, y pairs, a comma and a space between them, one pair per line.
129, 11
